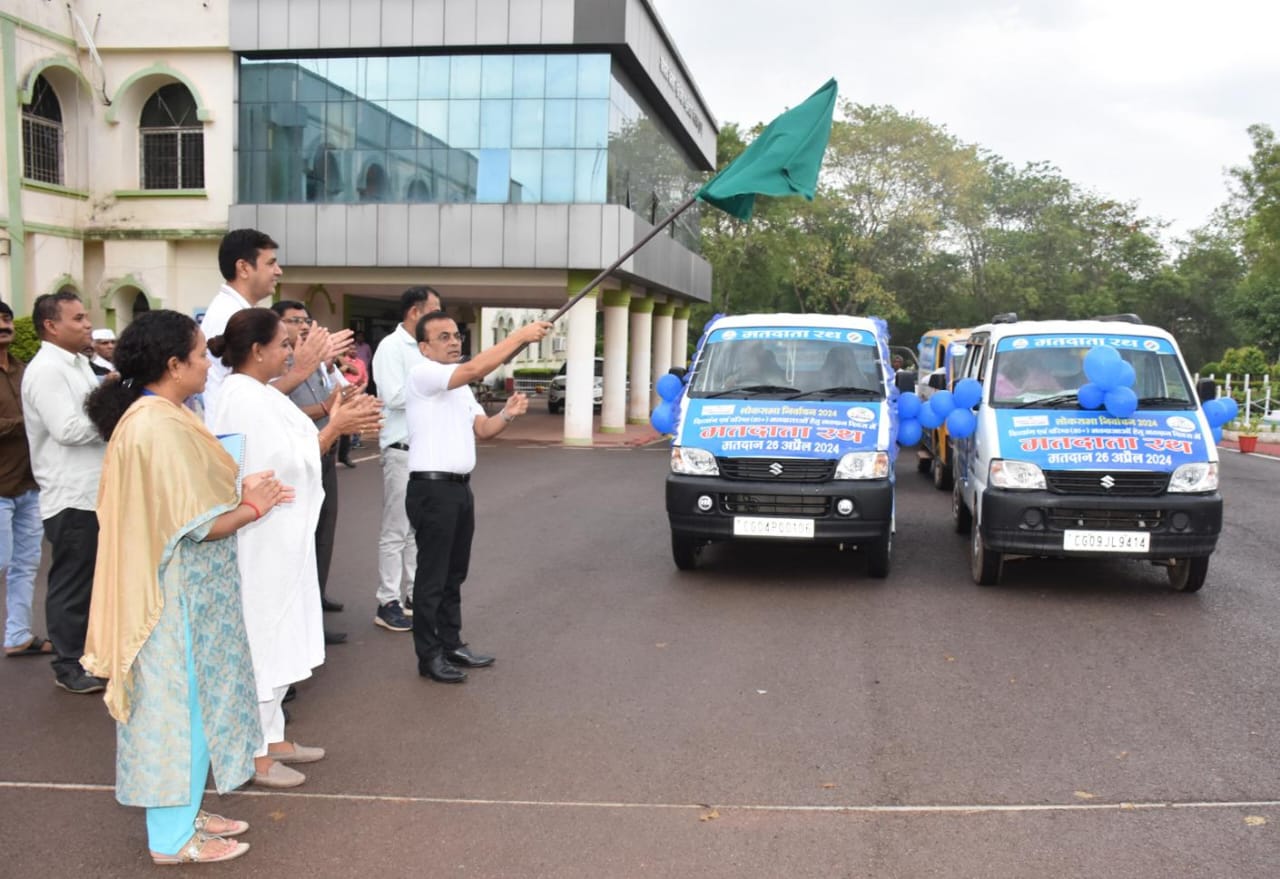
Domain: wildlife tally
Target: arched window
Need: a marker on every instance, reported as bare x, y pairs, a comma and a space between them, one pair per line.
172, 140
42, 135
419, 190
324, 178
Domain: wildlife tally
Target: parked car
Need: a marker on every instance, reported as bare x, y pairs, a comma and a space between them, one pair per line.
555, 393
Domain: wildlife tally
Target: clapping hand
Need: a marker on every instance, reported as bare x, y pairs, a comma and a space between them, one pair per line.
264, 491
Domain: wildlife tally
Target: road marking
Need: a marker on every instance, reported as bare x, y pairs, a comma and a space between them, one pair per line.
1251, 454
868, 808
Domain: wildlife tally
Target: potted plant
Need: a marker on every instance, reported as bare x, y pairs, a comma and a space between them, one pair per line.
1247, 435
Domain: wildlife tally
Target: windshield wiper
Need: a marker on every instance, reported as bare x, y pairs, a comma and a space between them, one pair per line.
1049, 402
754, 389
843, 390
1181, 402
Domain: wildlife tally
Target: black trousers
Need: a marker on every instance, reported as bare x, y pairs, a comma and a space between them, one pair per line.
73, 539
327, 524
443, 515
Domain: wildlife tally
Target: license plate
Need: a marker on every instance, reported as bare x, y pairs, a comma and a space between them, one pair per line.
1106, 541
756, 526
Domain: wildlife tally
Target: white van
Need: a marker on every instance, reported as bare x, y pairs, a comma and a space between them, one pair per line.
785, 434
1042, 476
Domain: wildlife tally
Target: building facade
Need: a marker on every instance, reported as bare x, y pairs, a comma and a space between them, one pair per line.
503, 151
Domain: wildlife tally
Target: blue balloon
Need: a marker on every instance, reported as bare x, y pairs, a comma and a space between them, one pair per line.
961, 423
908, 406
1230, 407
669, 387
1127, 375
909, 432
1110, 375
928, 417
968, 393
1091, 396
943, 402
1217, 434
1121, 402
1214, 412
664, 418
1097, 360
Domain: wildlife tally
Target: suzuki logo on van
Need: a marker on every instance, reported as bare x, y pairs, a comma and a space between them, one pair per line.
1107, 482
775, 469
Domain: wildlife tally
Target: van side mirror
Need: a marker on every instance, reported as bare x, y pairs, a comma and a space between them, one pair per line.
1206, 389
905, 381
938, 381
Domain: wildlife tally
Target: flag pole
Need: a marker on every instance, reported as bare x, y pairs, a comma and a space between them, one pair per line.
591, 285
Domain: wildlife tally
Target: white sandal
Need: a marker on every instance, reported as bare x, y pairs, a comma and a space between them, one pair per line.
234, 828
194, 851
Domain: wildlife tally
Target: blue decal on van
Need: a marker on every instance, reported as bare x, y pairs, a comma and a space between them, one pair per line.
1054, 439
1124, 343
790, 428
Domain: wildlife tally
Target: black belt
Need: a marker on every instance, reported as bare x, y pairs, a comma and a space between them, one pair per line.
440, 475
404, 447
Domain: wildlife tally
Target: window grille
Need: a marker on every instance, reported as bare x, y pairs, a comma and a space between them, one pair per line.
41, 149
172, 158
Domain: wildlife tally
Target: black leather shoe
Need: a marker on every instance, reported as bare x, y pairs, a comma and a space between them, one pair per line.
464, 657
330, 606
439, 669
347, 462
335, 637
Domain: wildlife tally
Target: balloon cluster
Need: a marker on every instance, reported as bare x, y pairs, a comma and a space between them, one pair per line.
667, 414
1218, 412
1110, 383
954, 408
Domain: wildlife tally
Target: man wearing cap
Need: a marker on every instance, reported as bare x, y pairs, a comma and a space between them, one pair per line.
104, 349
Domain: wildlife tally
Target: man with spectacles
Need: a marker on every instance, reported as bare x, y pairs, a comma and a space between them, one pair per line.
397, 555
444, 421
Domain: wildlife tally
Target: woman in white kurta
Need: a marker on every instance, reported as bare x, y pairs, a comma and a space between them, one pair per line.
277, 553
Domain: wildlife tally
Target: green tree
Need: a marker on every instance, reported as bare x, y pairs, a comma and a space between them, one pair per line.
25, 342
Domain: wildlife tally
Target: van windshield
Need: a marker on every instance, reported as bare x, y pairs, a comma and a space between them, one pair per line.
1050, 371
787, 368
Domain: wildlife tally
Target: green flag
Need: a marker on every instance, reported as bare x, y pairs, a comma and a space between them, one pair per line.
783, 160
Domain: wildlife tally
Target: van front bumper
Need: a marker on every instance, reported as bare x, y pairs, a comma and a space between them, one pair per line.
1033, 522
871, 517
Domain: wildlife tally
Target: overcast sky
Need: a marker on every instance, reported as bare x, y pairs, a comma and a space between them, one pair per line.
1139, 100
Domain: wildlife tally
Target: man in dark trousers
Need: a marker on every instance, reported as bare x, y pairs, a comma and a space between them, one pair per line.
66, 457
444, 422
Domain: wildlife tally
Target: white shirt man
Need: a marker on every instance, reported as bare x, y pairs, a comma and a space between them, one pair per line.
397, 553
444, 422
104, 347
66, 459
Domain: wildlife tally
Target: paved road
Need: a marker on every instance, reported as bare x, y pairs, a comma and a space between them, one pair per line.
775, 713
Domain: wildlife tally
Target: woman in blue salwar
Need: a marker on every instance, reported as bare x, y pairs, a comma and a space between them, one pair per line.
165, 624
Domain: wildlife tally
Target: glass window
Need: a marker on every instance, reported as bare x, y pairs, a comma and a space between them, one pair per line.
590, 167
529, 76
526, 123
593, 76
402, 121
375, 79
433, 122
345, 74
464, 76
372, 124
557, 176
526, 175
493, 176
562, 76
496, 76
402, 78
282, 82
253, 82
558, 128
433, 77
42, 134
464, 123
592, 125
172, 140
495, 124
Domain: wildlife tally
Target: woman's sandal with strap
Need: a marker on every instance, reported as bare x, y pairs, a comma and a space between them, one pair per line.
197, 851
230, 826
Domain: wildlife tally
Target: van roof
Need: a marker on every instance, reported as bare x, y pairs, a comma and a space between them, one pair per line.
1089, 327
834, 321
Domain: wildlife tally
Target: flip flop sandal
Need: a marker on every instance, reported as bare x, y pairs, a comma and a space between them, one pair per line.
233, 827
37, 646
194, 851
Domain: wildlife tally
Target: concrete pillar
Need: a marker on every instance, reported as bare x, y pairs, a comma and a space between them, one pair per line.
580, 376
638, 408
680, 336
661, 346
613, 413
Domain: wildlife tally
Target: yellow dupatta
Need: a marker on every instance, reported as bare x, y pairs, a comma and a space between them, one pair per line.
163, 475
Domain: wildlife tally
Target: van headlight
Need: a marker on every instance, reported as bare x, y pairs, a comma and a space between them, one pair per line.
693, 462
863, 465
1018, 475
1190, 478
